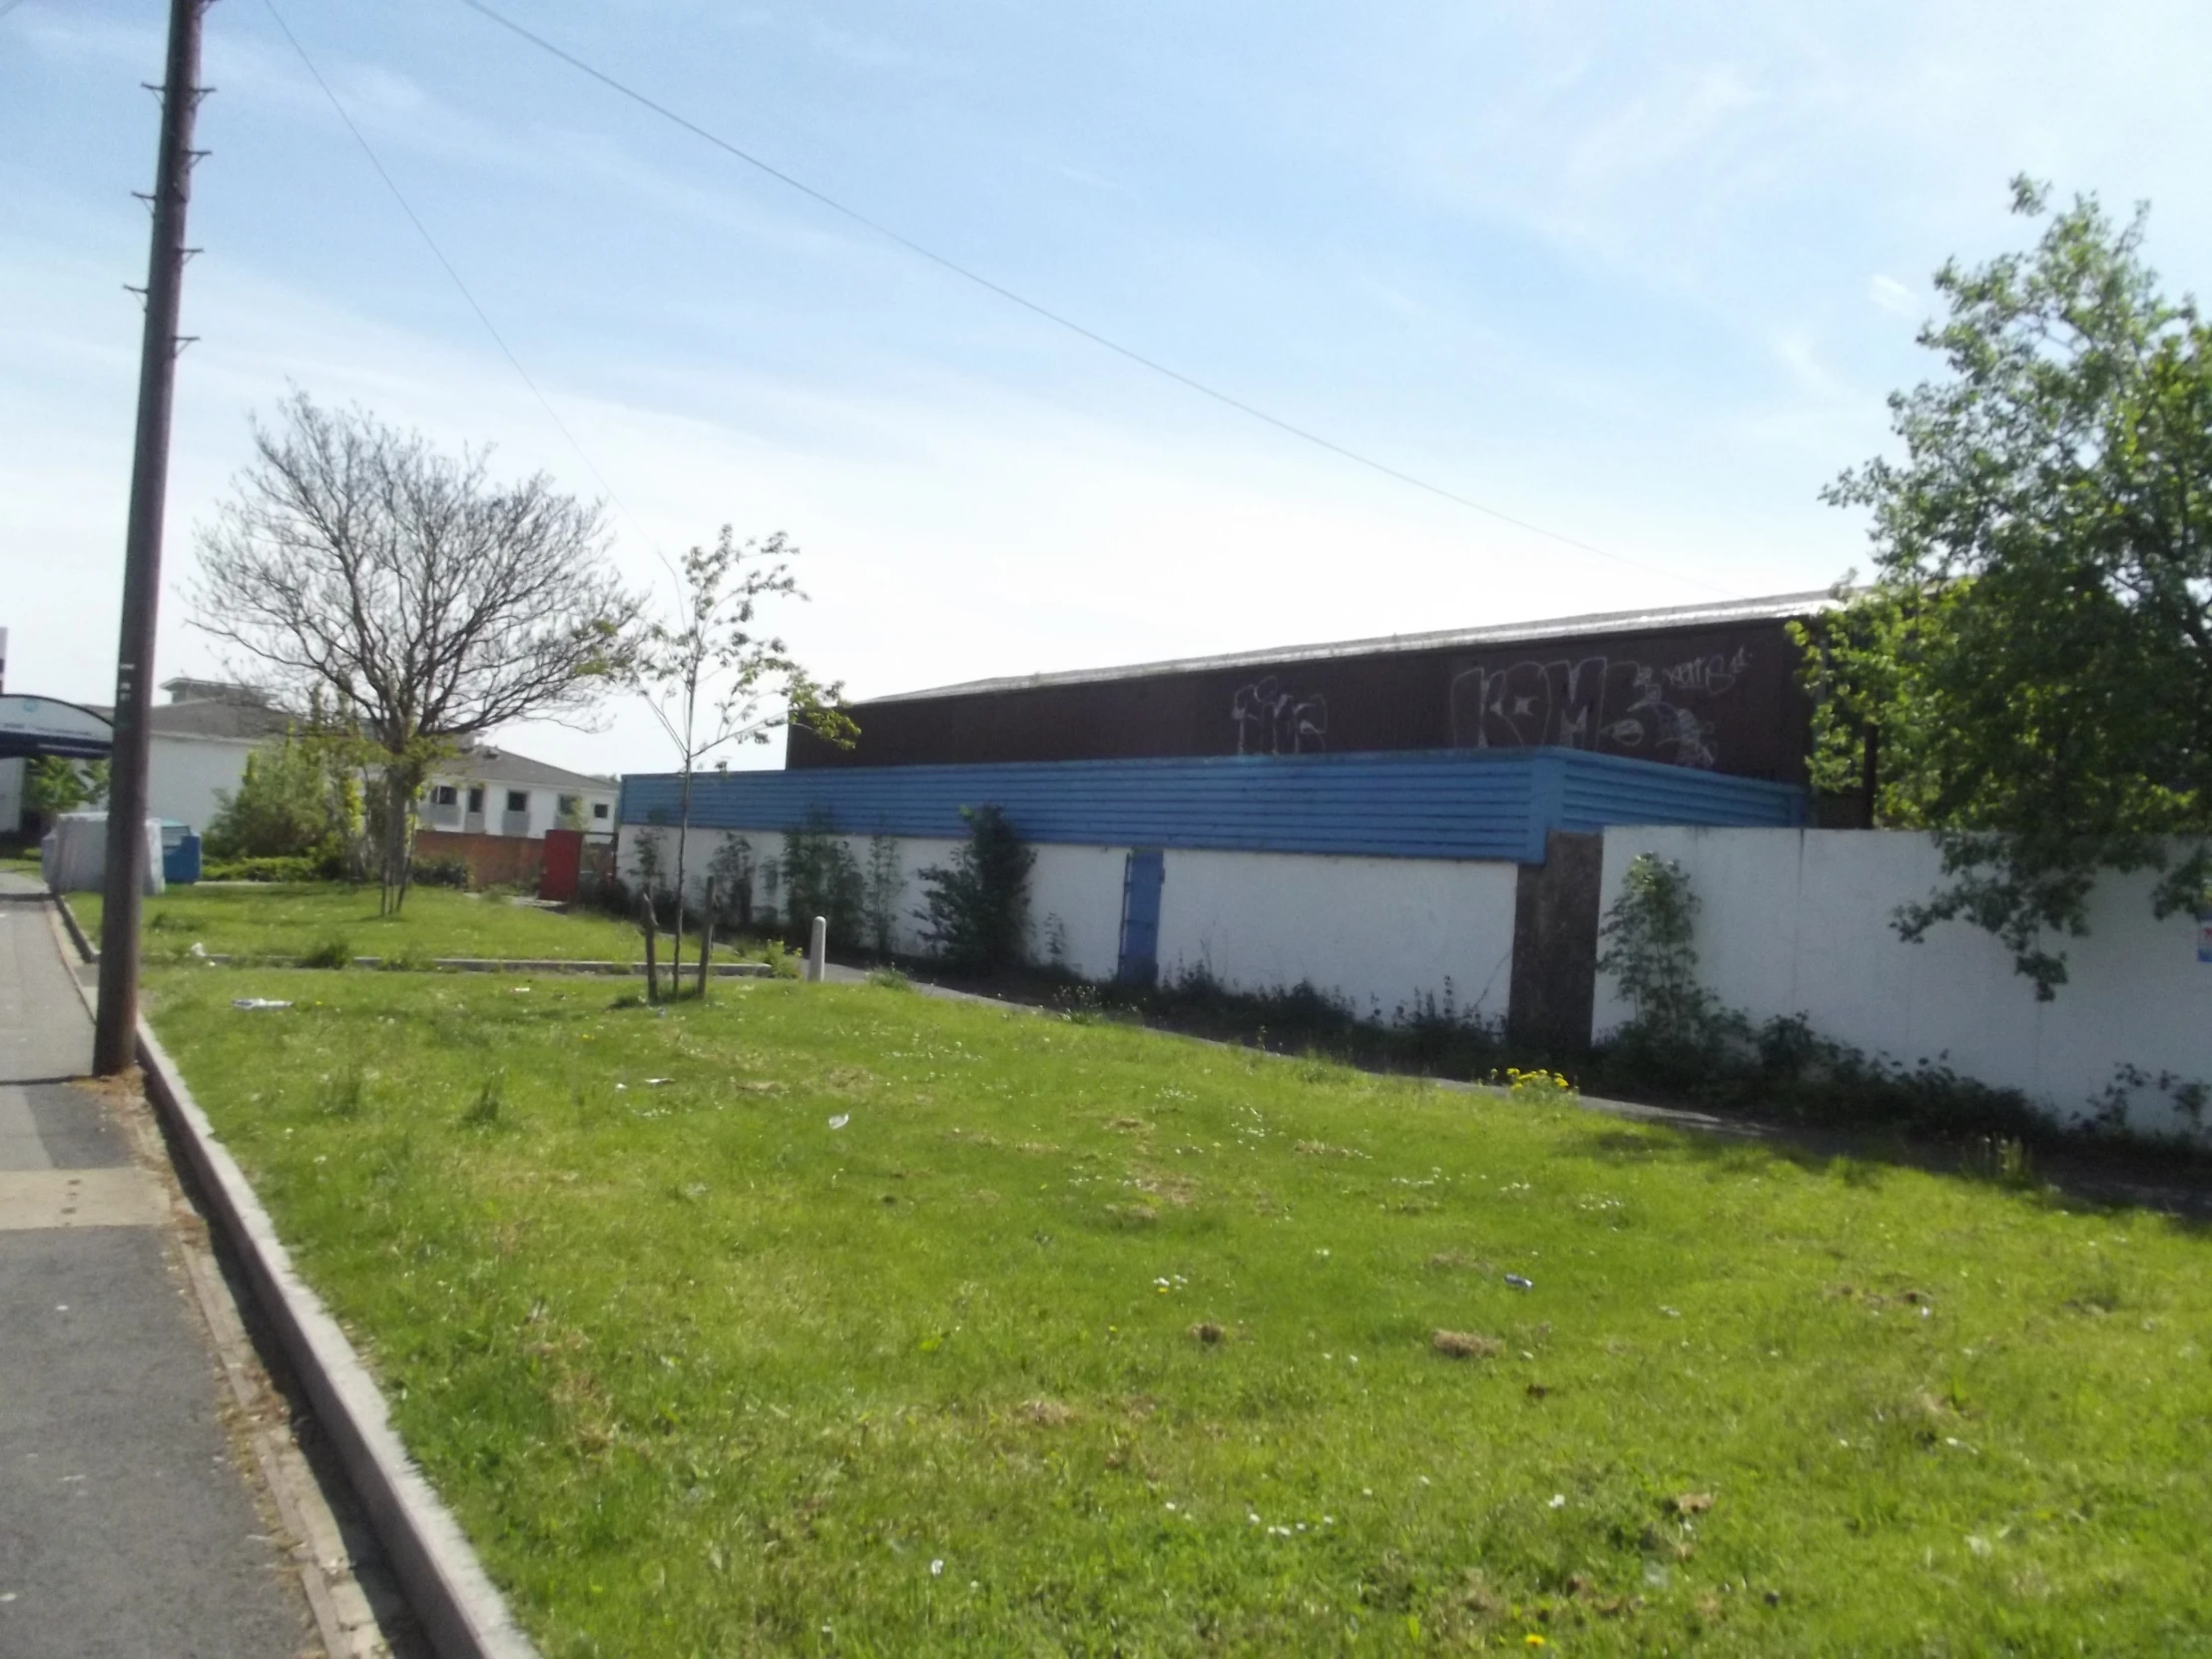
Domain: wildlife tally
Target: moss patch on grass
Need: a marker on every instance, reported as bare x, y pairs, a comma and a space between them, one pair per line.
835, 1319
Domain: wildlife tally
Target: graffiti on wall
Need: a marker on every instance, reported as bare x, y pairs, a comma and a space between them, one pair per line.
1271, 720
1624, 706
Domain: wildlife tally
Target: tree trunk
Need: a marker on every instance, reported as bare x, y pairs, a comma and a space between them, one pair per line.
652, 925
706, 937
683, 840
401, 784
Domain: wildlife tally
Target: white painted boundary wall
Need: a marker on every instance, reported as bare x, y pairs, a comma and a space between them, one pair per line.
1376, 932
1799, 922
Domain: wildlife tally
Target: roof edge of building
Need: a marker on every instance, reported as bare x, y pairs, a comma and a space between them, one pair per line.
1676, 619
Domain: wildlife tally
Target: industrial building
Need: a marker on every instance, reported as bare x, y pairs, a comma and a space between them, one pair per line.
1392, 822
1711, 687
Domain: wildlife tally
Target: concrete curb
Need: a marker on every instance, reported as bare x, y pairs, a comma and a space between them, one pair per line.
459, 1609
85, 947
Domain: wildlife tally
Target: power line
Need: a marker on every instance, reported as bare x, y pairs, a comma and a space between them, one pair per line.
432, 243
970, 275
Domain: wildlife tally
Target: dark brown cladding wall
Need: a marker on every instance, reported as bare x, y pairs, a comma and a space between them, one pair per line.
1723, 698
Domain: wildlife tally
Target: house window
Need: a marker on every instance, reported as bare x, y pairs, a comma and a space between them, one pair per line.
566, 806
518, 801
476, 798
444, 795
598, 809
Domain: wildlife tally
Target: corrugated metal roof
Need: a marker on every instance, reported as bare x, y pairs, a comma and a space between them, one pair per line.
1780, 607
1452, 804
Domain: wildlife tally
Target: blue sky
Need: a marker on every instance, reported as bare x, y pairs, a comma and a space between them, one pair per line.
1641, 275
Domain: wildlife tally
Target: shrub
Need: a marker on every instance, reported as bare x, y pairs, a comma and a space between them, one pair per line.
975, 910
1651, 949
649, 862
444, 870
823, 879
296, 800
884, 886
334, 950
730, 870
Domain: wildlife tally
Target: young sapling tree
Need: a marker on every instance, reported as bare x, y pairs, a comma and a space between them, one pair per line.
713, 679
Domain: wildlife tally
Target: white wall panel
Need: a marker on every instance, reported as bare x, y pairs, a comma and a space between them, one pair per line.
186, 776
1379, 933
1800, 921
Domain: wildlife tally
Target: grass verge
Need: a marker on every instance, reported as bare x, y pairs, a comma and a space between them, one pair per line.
830, 1319
327, 923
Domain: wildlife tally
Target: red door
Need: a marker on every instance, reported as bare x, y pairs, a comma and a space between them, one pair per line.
564, 858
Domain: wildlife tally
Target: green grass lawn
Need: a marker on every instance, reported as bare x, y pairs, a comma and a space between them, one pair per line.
837, 1318
275, 920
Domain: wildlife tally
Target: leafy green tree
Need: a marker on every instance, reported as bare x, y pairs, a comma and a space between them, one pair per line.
2033, 658
298, 798
975, 910
54, 785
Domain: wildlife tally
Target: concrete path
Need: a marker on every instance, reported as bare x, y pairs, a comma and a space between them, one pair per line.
126, 1524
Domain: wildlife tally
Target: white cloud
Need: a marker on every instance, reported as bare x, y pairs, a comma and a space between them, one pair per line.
1893, 296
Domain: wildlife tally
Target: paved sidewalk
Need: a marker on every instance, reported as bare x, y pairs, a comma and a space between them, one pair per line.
126, 1527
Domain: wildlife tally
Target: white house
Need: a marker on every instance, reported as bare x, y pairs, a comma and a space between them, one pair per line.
196, 745
203, 734
495, 791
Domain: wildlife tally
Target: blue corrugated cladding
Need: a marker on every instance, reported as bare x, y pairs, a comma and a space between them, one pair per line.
1447, 803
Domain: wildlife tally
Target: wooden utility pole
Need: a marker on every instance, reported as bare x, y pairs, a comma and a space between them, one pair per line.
114, 1031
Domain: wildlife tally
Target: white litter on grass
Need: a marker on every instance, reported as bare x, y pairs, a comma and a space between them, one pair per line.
1558, 1502
656, 1082
250, 1003
199, 950
937, 1569
840, 1120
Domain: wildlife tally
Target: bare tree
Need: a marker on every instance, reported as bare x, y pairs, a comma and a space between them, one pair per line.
749, 682
427, 601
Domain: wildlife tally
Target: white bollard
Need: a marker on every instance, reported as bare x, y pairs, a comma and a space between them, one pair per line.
818, 950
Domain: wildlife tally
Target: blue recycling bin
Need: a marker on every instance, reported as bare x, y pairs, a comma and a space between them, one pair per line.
180, 859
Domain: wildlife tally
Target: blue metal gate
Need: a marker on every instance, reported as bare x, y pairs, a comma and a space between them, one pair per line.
1139, 917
